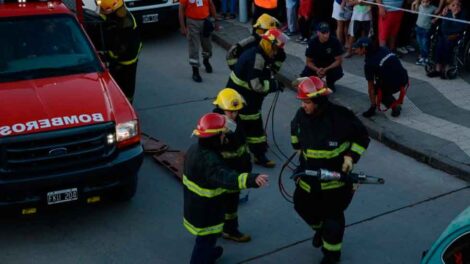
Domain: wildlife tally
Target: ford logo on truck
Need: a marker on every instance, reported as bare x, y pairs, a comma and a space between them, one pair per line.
58, 151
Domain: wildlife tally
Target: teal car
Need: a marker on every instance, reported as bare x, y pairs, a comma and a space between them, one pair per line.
453, 246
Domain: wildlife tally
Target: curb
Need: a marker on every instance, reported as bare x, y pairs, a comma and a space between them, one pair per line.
376, 132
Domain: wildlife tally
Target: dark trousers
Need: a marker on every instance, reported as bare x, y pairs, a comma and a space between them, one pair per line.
406, 27
253, 127
304, 27
323, 211
259, 11
445, 49
231, 201
124, 75
203, 251
387, 93
332, 75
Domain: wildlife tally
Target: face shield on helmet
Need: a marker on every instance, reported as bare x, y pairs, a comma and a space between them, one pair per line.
229, 100
213, 124
109, 6
276, 37
311, 87
264, 23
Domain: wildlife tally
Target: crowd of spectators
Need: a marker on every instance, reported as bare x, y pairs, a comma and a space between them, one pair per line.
400, 31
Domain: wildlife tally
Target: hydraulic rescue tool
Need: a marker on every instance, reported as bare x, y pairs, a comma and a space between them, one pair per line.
324, 175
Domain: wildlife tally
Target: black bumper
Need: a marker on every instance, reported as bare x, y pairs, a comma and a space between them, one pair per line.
32, 192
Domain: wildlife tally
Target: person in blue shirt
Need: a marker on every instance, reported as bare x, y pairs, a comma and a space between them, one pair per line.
324, 56
385, 76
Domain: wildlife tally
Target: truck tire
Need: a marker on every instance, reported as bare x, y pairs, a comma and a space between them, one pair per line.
126, 192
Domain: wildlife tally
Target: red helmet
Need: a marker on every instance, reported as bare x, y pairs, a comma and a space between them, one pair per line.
276, 37
211, 125
311, 87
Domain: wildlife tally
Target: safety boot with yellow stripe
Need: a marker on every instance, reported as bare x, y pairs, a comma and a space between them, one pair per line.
237, 236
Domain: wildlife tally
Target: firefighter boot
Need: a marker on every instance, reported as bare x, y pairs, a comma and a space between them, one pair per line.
330, 257
262, 160
216, 254
328, 260
207, 65
196, 76
370, 112
231, 232
236, 236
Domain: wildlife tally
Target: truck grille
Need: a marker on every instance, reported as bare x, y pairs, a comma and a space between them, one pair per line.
140, 3
45, 153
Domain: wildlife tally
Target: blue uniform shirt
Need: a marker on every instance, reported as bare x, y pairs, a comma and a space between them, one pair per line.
384, 66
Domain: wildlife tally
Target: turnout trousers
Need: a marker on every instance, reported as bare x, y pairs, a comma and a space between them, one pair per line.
124, 75
323, 211
232, 199
250, 116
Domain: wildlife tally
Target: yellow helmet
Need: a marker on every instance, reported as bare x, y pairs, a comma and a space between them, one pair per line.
229, 100
109, 6
266, 22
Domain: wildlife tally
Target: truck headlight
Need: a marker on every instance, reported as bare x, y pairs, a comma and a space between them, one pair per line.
127, 133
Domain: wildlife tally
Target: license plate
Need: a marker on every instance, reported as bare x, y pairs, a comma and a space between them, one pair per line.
62, 196
150, 18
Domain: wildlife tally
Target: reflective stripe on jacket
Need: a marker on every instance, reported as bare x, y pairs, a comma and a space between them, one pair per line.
122, 38
252, 71
324, 139
206, 178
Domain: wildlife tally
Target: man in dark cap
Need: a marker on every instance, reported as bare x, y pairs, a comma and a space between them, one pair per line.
324, 56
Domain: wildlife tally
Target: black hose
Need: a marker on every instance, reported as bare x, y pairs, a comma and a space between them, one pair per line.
271, 113
282, 190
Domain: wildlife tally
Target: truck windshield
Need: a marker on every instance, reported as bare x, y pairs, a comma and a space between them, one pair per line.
44, 46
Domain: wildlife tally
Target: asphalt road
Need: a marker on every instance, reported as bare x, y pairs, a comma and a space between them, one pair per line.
392, 223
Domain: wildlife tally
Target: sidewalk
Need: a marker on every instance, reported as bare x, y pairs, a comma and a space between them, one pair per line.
434, 126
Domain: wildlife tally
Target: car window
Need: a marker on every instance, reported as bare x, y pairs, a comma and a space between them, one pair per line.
458, 252
44, 46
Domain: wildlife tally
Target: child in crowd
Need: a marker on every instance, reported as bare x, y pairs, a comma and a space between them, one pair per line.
450, 33
342, 12
423, 27
305, 19
361, 23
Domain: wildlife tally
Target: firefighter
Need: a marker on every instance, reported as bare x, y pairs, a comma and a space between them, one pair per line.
236, 155
328, 137
206, 179
253, 79
122, 38
263, 24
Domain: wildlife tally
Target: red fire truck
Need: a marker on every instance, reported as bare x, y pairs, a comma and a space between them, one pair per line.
67, 132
